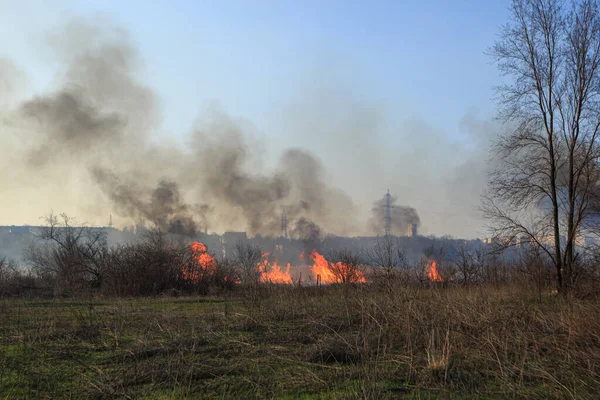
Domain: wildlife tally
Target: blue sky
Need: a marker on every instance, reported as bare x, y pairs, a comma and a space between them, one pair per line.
416, 61
252, 55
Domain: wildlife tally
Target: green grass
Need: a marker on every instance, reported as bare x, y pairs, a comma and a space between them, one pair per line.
303, 343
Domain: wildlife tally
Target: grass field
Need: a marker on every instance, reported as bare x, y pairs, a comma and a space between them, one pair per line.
328, 342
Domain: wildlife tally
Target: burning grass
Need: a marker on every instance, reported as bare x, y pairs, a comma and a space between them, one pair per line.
432, 273
327, 272
346, 341
202, 265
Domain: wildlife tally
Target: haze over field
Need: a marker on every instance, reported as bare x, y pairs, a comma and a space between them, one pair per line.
90, 127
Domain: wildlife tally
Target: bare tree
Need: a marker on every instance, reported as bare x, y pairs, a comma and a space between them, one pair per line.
150, 266
546, 183
388, 256
71, 256
533, 268
8, 271
469, 264
346, 266
247, 256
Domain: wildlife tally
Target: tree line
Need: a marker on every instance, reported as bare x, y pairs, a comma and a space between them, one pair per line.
73, 260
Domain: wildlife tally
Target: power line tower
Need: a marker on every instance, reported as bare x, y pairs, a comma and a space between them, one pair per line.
110, 224
283, 223
388, 213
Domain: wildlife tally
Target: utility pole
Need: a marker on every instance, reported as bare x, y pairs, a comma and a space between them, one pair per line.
284, 223
388, 213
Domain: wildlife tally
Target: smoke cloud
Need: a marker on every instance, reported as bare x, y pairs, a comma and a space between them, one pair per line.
401, 217
163, 205
306, 230
90, 146
98, 122
12, 81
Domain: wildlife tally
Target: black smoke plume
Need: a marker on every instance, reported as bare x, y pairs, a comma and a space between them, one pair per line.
162, 205
306, 230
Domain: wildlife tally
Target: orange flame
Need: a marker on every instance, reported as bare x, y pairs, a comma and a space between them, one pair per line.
433, 273
206, 262
273, 273
321, 269
198, 247
328, 272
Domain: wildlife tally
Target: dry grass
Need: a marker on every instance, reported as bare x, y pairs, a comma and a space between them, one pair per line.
330, 342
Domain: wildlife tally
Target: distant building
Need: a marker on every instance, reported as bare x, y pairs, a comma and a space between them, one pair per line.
412, 230
504, 241
233, 237
545, 241
19, 229
522, 241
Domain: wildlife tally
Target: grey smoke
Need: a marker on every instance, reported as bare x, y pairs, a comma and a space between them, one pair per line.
92, 147
12, 82
67, 127
100, 119
162, 205
226, 178
305, 229
401, 215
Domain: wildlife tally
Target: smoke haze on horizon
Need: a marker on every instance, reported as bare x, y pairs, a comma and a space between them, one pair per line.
92, 144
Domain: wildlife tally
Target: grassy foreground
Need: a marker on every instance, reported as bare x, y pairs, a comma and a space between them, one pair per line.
328, 342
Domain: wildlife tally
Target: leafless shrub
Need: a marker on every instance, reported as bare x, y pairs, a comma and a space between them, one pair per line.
12, 279
246, 257
389, 260
469, 265
7, 270
532, 270
75, 259
419, 272
346, 265
149, 267
227, 276
436, 256
72, 257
